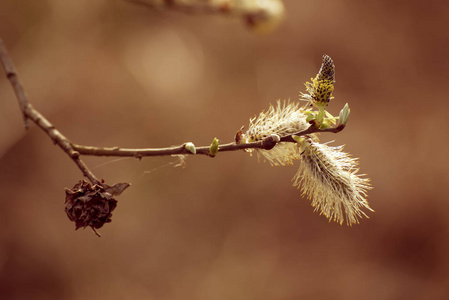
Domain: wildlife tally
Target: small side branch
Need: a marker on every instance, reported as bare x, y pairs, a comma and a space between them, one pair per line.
30, 113
256, 14
310, 130
11, 74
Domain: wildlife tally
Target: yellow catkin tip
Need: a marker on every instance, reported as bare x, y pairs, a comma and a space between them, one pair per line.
327, 70
321, 87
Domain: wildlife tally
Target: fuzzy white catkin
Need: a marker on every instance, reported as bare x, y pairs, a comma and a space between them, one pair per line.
283, 119
328, 177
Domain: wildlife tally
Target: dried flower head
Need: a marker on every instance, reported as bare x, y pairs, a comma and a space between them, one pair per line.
285, 118
328, 176
319, 91
92, 205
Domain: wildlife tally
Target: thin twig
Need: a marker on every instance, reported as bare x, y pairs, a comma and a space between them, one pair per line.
191, 6
29, 112
142, 152
11, 74
252, 12
181, 150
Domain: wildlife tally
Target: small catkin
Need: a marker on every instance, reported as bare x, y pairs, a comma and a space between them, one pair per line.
283, 119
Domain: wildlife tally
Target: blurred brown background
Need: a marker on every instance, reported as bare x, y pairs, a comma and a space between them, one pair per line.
111, 73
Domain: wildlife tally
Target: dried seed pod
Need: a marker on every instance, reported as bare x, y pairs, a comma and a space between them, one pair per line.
92, 205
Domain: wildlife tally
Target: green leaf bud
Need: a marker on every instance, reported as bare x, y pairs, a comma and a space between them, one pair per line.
213, 149
344, 115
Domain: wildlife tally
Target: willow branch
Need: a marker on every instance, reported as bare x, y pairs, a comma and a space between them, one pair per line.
74, 150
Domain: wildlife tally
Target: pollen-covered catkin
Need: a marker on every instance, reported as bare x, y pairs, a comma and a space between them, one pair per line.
283, 119
319, 91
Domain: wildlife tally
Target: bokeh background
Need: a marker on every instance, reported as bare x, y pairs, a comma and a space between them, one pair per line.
110, 73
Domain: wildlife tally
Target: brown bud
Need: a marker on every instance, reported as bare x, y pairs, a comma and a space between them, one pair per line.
270, 141
239, 135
